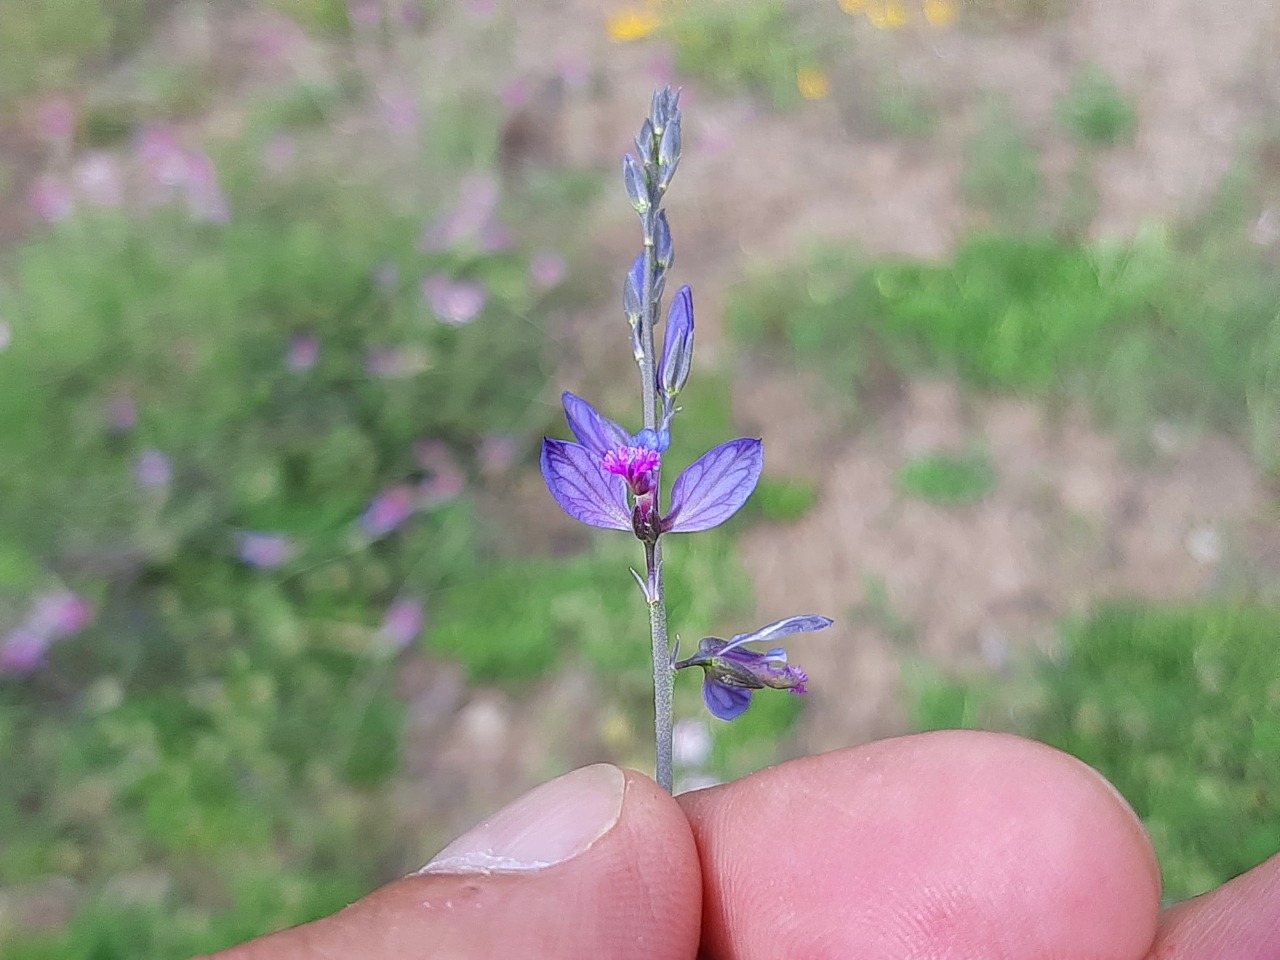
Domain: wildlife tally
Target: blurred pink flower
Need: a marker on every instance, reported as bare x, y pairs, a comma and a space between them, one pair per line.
279, 152
364, 13
265, 550
51, 199
475, 210
205, 199
575, 70
402, 623
56, 122
546, 269
443, 478
411, 13
399, 112
99, 180
455, 303
303, 352
497, 454
22, 651
59, 615
122, 412
516, 93
387, 511
152, 470
161, 156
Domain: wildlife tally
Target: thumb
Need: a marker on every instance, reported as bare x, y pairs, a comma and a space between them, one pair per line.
599, 863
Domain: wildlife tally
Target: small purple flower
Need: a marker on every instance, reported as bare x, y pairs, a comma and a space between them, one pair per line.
204, 197
98, 178
469, 219
303, 352
731, 672
59, 615
443, 478
265, 550
51, 199
56, 122
122, 412
591, 479
402, 623
22, 651
547, 269
152, 470
387, 511
454, 303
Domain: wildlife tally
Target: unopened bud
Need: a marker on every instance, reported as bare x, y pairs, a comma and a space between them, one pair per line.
677, 345
669, 152
637, 184
662, 247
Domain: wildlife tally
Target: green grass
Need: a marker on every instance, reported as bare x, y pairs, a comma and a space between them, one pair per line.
1180, 325
1178, 706
948, 479
1096, 112
755, 45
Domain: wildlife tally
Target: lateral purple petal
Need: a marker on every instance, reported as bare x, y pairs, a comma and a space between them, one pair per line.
714, 486
598, 434
582, 489
779, 629
724, 701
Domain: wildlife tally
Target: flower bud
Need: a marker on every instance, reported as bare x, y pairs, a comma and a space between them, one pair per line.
669, 152
663, 249
644, 143
637, 184
677, 346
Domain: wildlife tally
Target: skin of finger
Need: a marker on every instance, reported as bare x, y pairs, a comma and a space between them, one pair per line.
953, 845
1238, 921
634, 894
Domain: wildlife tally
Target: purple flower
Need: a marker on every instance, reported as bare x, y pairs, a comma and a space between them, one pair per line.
59, 615
56, 122
473, 216
98, 178
152, 470
265, 550
402, 623
546, 269
122, 413
443, 479
303, 352
591, 479
22, 651
51, 199
454, 303
387, 511
731, 672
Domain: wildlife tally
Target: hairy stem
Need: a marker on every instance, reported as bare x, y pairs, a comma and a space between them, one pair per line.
663, 675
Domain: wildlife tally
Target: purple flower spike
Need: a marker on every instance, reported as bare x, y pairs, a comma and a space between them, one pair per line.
715, 486
731, 672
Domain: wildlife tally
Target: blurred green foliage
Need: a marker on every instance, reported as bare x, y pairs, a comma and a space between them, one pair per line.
1179, 707
1001, 174
782, 499
949, 479
1096, 111
757, 46
1185, 326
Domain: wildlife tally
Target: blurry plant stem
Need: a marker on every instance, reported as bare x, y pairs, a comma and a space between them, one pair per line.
663, 674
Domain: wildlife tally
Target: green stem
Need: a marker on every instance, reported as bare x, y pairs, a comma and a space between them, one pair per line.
663, 675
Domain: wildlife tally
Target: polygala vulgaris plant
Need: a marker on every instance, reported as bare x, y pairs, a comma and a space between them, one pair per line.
612, 478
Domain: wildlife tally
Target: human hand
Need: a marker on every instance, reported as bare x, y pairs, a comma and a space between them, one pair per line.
942, 845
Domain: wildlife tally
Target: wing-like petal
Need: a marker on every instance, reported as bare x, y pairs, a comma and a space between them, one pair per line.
781, 628
724, 701
582, 489
714, 486
597, 433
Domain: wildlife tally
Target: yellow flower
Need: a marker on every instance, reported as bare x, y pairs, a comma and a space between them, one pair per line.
853, 7
889, 15
633, 23
939, 13
813, 83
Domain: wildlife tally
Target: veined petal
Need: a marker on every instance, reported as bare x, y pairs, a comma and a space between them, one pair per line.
780, 628
714, 486
724, 701
597, 433
582, 489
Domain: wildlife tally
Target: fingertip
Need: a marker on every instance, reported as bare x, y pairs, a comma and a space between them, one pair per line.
950, 844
